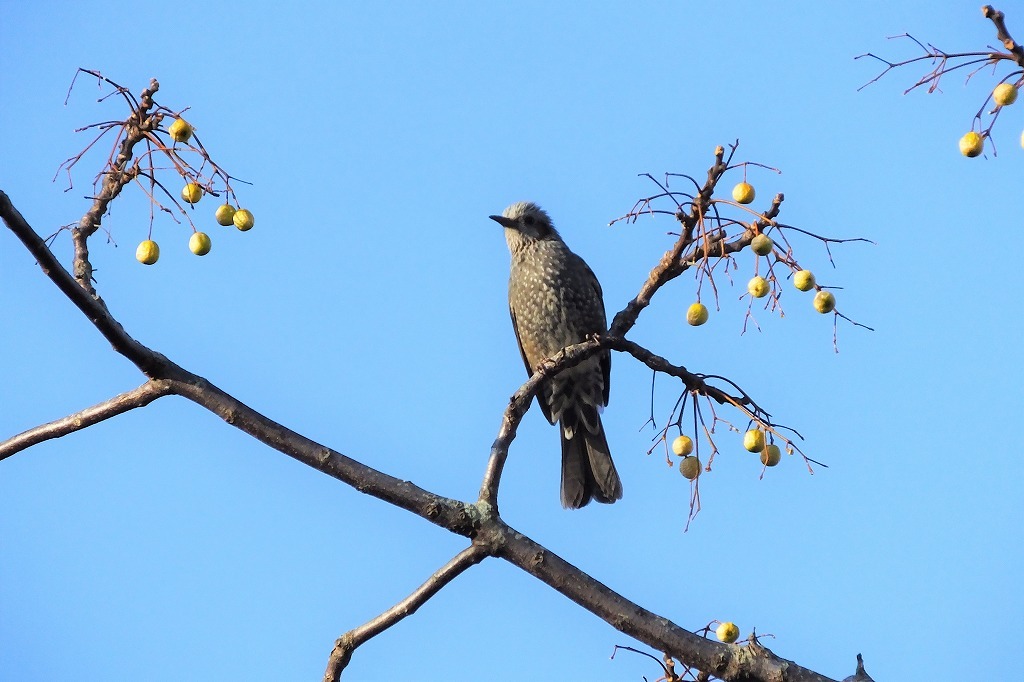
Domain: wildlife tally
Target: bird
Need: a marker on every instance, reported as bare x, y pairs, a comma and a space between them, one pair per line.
556, 301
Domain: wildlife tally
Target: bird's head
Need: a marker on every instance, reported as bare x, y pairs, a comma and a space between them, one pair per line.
525, 222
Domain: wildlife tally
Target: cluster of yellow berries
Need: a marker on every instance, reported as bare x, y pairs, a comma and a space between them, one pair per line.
689, 466
199, 243
753, 441
973, 144
759, 287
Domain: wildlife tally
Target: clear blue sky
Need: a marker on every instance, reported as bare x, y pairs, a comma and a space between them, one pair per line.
367, 310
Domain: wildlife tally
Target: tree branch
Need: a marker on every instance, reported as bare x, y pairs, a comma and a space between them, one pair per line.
731, 662
518, 404
669, 266
999, 19
453, 515
119, 404
569, 357
450, 514
346, 645
145, 359
138, 125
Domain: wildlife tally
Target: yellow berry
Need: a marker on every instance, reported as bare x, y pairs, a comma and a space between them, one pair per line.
180, 130
682, 445
824, 302
199, 243
972, 144
225, 214
689, 467
804, 280
761, 244
192, 192
1004, 94
743, 193
148, 252
697, 314
758, 287
771, 455
727, 632
753, 440
243, 220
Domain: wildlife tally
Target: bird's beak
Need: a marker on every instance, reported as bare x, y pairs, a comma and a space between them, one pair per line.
503, 221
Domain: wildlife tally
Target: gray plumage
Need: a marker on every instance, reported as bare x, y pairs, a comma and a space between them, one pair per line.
556, 301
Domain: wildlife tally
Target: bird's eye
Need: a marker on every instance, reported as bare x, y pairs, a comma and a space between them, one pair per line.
528, 220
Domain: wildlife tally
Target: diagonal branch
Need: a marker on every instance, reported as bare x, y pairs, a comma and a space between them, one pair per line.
119, 404
693, 382
570, 356
670, 265
142, 357
346, 645
726, 661
999, 19
450, 514
518, 404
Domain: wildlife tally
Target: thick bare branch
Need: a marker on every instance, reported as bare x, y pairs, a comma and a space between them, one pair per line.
119, 404
450, 514
351, 640
730, 662
453, 515
142, 357
999, 19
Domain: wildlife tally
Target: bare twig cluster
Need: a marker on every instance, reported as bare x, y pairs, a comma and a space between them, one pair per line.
143, 128
943, 63
712, 231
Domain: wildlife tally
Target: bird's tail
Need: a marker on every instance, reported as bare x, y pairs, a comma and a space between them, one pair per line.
587, 468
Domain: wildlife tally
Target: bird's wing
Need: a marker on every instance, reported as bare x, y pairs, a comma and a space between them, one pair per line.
605, 357
529, 370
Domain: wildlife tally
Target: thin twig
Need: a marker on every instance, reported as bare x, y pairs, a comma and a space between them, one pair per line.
346, 645
119, 404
